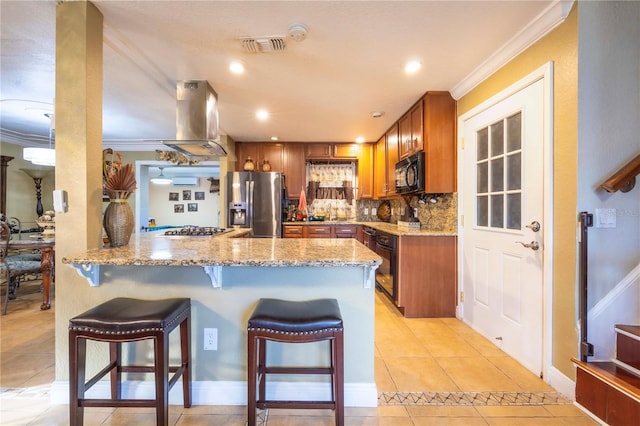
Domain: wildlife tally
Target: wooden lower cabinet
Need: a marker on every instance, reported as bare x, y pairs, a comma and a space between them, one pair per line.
346, 231
322, 231
293, 231
427, 276
318, 231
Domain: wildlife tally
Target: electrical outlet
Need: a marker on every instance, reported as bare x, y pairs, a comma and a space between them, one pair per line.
374, 211
366, 211
210, 339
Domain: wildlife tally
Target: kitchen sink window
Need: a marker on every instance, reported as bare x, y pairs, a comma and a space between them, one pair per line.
330, 190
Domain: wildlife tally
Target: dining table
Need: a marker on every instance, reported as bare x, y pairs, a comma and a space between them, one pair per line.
47, 248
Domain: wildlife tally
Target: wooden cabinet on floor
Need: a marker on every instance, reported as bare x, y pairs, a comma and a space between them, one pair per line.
427, 276
318, 231
322, 231
293, 231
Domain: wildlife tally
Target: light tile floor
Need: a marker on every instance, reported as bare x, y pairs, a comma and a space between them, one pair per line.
434, 371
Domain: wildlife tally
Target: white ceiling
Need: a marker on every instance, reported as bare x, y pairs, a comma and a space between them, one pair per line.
320, 89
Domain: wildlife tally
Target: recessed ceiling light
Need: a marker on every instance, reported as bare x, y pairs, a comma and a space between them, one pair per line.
262, 114
412, 67
274, 138
377, 114
360, 139
236, 67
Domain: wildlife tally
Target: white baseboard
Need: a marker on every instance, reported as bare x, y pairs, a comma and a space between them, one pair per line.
227, 393
561, 383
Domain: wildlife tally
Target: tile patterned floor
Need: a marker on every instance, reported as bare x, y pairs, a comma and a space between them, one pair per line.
432, 371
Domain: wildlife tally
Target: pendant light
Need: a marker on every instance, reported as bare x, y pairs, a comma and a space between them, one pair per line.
161, 179
42, 156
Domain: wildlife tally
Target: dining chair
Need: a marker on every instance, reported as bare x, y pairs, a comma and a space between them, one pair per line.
13, 267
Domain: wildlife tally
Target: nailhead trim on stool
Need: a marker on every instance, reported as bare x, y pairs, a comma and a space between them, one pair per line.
294, 322
122, 320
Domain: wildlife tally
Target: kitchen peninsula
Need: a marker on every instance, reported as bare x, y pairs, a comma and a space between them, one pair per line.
225, 277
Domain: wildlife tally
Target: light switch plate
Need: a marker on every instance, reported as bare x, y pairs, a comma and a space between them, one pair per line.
605, 218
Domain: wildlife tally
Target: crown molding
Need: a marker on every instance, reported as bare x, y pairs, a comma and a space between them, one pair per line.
544, 23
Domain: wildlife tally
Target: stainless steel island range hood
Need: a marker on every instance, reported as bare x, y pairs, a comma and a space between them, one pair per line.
197, 120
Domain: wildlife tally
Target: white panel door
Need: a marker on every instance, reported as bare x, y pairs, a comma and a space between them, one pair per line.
502, 269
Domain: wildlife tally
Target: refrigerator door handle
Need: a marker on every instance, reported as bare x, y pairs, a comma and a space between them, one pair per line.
250, 206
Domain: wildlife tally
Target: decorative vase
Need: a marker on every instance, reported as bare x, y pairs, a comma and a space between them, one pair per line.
248, 165
266, 167
118, 220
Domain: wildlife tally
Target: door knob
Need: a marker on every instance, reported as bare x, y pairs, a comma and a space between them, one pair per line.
533, 245
534, 226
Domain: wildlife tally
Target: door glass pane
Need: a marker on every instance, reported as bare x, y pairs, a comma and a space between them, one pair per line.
514, 211
497, 139
497, 174
483, 178
514, 167
514, 134
497, 211
482, 210
482, 148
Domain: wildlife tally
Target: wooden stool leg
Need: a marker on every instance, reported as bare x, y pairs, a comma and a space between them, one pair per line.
77, 361
161, 345
185, 351
338, 357
262, 366
252, 374
115, 357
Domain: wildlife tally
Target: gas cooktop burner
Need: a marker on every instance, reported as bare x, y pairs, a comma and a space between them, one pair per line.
195, 231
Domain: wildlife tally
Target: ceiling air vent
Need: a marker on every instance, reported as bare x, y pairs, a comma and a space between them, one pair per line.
263, 44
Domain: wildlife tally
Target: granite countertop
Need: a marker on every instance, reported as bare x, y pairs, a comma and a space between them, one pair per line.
390, 228
146, 249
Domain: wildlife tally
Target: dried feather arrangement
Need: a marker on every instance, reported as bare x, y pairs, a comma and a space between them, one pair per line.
121, 183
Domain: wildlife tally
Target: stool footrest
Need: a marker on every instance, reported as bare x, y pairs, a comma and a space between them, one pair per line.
296, 404
296, 370
117, 403
146, 369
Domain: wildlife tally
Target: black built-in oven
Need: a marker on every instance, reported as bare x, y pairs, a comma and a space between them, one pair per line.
386, 274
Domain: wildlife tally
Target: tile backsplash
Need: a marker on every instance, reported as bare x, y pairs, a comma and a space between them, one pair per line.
436, 212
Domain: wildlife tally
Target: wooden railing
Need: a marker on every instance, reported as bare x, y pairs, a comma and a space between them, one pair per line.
625, 178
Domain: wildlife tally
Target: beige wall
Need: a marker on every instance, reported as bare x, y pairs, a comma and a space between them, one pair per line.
560, 47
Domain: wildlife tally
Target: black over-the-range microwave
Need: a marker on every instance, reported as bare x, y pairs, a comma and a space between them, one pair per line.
410, 174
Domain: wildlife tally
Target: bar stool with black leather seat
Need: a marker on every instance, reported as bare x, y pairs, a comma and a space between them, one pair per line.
122, 320
294, 322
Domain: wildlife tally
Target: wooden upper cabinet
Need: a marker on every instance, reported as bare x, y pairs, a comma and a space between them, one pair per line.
347, 150
392, 159
328, 151
410, 128
259, 152
273, 153
245, 150
380, 168
365, 171
294, 168
386, 157
439, 120
318, 150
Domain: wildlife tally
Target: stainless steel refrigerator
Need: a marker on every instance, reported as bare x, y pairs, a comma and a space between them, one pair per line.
255, 201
